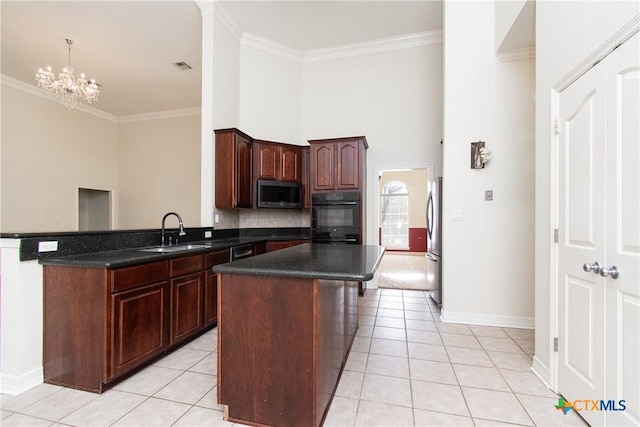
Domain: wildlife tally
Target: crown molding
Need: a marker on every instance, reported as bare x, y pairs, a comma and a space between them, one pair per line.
169, 114
228, 22
517, 54
206, 6
254, 41
34, 90
621, 36
374, 46
269, 46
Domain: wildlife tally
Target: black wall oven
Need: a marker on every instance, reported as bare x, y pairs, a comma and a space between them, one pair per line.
335, 218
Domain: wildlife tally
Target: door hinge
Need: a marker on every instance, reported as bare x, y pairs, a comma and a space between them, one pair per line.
555, 344
556, 127
556, 234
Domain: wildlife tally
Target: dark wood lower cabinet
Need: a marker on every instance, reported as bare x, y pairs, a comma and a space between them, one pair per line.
140, 329
282, 345
100, 323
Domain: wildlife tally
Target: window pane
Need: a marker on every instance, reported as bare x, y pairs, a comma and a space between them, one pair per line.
395, 215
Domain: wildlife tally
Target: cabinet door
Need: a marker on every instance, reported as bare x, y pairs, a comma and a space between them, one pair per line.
211, 285
305, 178
186, 306
322, 166
348, 167
138, 326
290, 163
244, 163
267, 160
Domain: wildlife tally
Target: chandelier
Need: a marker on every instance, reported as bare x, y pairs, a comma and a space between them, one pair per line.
68, 89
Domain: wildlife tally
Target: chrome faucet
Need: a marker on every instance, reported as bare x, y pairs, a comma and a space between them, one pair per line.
181, 233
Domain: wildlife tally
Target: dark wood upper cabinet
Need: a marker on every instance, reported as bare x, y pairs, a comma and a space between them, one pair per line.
234, 164
338, 164
306, 177
278, 162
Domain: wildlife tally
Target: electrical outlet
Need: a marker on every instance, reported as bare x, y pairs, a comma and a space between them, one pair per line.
207, 234
50, 246
216, 219
488, 195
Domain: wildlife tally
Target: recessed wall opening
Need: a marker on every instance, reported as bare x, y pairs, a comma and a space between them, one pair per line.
94, 210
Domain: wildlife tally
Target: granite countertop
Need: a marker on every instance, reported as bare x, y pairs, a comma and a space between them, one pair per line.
133, 256
311, 261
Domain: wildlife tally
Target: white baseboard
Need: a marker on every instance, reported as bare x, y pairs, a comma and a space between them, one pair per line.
15, 385
488, 320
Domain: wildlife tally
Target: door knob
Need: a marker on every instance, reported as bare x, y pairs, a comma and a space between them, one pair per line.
613, 272
595, 267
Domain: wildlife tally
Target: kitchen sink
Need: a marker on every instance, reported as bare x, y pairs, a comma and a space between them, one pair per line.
169, 249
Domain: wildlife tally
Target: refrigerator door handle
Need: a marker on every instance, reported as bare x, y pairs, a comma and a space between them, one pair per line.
430, 215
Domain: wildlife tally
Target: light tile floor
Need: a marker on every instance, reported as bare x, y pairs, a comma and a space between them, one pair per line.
406, 368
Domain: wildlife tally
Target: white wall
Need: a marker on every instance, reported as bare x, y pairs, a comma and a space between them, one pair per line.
48, 152
566, 34
270, 96
158, 169
487, 269
393, 98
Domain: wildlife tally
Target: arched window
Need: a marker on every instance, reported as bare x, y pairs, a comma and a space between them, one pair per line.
395, 215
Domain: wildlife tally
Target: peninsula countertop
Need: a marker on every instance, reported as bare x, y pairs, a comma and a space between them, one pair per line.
329, 261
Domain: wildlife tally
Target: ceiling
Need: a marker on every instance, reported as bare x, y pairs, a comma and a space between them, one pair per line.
129, 47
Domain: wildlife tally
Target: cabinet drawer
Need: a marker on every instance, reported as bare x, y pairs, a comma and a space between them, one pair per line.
131, 277
189, 264
215, 258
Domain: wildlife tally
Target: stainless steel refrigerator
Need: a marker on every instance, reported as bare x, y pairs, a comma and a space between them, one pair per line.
434, 231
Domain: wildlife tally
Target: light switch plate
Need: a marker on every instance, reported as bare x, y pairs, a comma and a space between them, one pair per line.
488, 195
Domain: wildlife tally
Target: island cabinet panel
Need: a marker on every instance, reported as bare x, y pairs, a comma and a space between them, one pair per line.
276, 245
211, 285
139, 328
281, 347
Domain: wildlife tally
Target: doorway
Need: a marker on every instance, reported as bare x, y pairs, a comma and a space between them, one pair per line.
402, 205
94, 210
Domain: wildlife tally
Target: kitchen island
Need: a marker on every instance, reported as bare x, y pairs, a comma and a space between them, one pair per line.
286, 322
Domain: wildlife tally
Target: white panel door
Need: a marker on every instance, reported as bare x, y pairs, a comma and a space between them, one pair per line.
581, 210
599, 221
623, 232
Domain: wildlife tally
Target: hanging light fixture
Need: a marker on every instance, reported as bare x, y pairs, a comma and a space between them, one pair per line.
68, 89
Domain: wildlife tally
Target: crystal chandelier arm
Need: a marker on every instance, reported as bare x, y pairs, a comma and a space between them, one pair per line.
66, 87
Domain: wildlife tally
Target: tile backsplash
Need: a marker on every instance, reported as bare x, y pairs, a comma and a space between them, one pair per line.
274, 218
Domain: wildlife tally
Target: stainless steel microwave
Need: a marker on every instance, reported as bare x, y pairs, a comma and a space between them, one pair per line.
279, 194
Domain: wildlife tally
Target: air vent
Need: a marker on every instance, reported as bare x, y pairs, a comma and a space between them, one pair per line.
182, 66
